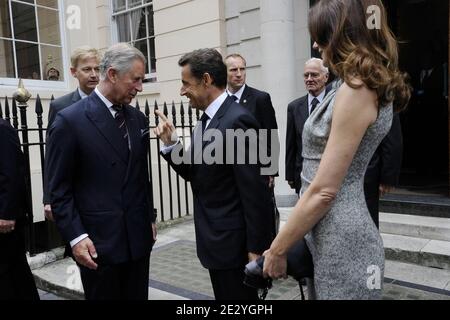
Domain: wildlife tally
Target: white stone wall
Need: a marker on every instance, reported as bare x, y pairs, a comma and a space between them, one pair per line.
185, 25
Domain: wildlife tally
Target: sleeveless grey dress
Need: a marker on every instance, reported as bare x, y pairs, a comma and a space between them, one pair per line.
345, 244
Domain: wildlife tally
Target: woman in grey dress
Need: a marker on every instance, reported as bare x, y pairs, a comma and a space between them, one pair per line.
339, 139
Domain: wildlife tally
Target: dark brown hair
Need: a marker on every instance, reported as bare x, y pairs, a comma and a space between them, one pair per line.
352, 49
208, 61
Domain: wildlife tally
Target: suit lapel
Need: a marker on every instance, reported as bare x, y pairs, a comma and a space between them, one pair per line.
76, 96
246, 96
304, 110
100, 116
213, 124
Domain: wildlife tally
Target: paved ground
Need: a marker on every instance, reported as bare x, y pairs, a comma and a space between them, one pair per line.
176, 274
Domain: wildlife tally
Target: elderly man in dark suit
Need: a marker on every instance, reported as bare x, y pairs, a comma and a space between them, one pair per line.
99, 188
231, 201
315, 77
85, 68
16, 280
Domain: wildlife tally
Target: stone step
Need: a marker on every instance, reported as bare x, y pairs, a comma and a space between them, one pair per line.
423, 252
415, 226
415, 204
418, 275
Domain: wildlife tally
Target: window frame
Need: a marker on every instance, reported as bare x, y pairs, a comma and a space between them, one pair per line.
150, 77
31, 83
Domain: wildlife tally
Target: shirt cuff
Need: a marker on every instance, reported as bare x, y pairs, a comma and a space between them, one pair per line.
78, 239
166, 149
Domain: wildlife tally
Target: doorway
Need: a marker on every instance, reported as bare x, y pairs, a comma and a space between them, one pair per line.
421, 27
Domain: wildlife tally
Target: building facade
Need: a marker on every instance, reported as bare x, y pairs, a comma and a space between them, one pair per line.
39, 35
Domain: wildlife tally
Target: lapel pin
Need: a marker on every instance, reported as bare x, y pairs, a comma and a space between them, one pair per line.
245, 101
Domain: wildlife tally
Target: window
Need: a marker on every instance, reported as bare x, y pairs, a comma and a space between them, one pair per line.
30, 40
134, 25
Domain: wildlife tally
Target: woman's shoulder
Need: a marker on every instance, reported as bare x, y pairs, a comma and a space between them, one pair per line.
356, 98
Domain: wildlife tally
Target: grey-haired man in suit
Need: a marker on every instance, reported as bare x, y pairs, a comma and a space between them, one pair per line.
315, 76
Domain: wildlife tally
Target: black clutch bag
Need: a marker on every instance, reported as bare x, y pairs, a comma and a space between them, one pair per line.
299, 261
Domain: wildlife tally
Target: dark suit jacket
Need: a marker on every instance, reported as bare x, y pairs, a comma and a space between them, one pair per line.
297, 113
13, 191
260, 105
13, 195
384, 167
94, 187
231, 203
56, 106
62, 103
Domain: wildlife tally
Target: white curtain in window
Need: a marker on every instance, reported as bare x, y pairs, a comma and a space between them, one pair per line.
123, 28
136, 16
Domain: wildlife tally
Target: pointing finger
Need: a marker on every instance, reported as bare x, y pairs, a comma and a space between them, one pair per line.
161, 115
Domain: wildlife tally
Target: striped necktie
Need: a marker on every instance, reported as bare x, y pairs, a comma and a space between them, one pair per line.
120, 119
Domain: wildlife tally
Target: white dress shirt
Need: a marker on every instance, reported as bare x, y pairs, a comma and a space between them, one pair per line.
238, 93
311, 97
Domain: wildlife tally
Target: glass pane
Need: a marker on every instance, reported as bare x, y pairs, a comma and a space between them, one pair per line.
52, 63
49, 26
24, 20
152, 55
142, 45
119, 5
27, 60
29, 1
134, 3
6, 59
123, 27
48, 3
5, 21
142, 31
148, 1
151, 28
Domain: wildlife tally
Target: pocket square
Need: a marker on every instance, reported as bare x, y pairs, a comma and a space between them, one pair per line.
145, 132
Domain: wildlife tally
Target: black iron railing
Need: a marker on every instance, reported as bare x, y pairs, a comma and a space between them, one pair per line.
167, 187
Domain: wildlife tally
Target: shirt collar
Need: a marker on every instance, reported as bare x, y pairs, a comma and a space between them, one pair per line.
108, 103
319, 97
238, 94
212, 109
82, 94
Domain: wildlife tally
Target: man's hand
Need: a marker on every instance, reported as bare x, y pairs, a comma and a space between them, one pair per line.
7, 226
154, 231
292, 184
83, 252
165, 130
253, 256
48, 212
271, 182
384, 188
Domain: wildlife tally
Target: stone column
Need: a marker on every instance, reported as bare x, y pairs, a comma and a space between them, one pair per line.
279, 69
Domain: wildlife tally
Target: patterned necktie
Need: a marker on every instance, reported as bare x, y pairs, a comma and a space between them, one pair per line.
314, 104
120, 119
